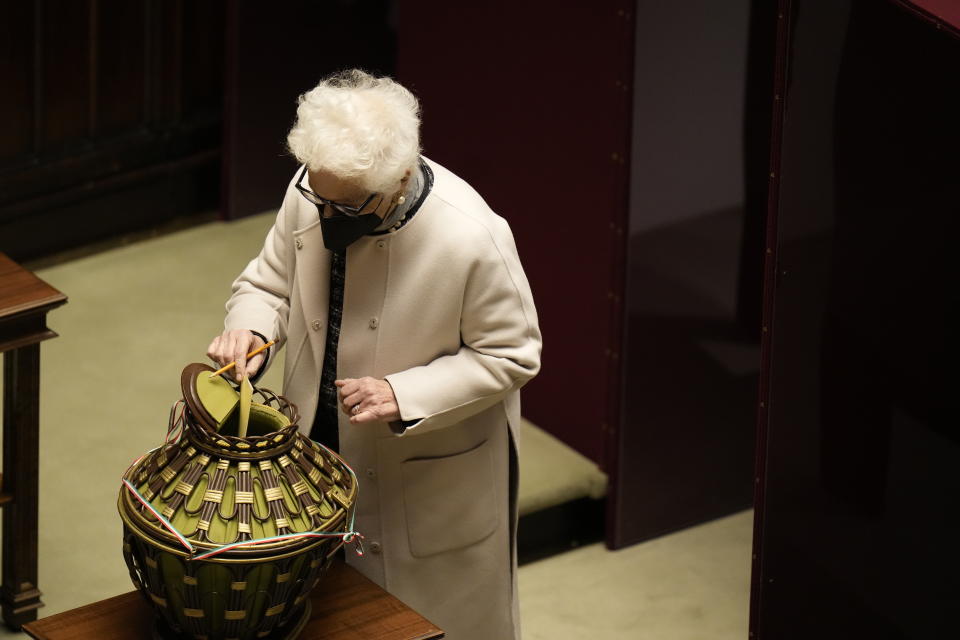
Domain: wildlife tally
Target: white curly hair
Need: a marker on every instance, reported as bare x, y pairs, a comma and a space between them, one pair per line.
358, 127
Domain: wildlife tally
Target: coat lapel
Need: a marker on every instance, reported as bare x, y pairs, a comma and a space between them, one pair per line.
313, 282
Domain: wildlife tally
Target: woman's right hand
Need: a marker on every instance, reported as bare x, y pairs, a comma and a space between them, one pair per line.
235, 344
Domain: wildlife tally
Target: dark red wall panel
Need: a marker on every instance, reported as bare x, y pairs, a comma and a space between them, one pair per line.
529, 102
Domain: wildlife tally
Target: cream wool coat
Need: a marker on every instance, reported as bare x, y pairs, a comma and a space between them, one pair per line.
442, 309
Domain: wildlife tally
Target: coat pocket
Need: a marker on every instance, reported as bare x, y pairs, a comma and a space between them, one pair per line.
450, 501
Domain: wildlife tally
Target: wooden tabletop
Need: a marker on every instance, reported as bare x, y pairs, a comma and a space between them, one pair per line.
21, 291
346, 606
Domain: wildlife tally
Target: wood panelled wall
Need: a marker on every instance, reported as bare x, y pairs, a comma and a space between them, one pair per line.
112, 117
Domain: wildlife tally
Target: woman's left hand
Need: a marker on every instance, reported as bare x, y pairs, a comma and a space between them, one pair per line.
367, 400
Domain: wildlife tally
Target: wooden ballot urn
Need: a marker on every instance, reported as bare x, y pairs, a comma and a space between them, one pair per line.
230, 523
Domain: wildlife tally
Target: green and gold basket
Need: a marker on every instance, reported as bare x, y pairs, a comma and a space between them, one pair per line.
229, 526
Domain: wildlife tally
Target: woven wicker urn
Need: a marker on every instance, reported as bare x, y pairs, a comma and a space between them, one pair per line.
225, 535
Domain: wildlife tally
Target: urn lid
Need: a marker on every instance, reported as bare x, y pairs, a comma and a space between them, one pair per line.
210, 397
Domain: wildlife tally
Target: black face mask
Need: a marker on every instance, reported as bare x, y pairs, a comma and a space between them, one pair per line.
340, 231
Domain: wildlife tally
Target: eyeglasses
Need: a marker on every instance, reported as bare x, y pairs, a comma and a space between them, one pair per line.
345, 209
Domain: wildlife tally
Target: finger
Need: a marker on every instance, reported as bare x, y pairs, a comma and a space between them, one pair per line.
348, 407
363, 417
349, 386
371, 414
212, 349
240, 355
223, 355
226, 347
361, 397
354, 399
253, 365
237, 354
350, 383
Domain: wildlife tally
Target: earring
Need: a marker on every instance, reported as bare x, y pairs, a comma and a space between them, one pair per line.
401, 199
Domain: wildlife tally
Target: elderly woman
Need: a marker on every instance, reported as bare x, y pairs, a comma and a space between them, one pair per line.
410, 328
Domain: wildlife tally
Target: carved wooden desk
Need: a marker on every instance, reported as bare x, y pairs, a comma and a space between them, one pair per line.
346, 606
24, 302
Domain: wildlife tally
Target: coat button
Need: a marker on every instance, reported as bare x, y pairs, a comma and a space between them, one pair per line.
381, 244
299, 243
316, 324
375, 547
374, 323
371, 473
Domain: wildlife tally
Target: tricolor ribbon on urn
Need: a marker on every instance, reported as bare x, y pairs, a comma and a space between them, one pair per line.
349, 536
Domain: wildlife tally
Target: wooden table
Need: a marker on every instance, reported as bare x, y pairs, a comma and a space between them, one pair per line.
346, 606
24, 302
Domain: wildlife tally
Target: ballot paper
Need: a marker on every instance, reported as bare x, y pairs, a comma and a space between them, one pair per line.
246, 397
